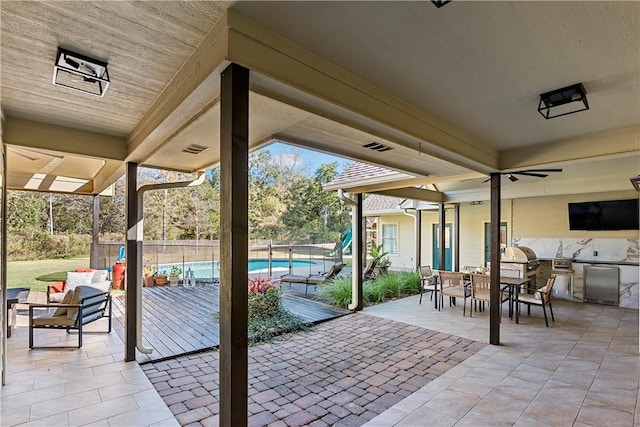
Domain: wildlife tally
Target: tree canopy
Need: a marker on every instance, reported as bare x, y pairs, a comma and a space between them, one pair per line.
285, 203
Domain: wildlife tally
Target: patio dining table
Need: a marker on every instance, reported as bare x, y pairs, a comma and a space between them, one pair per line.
514, 284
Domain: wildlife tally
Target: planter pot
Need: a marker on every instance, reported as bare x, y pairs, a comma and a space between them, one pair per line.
148, 281
161, 280
174, 280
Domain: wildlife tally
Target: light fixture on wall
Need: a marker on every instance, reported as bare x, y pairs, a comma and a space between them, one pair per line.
560, 102
636, 182
79, 72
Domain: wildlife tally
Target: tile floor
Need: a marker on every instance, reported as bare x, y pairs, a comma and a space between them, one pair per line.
71, 387
583, 370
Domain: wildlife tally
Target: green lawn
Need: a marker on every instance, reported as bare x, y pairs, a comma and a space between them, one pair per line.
24, 273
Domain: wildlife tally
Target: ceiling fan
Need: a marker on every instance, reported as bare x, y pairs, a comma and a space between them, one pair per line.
538, 173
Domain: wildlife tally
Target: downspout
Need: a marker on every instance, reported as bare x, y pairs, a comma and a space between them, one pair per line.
417, 227
140, 193
355, 249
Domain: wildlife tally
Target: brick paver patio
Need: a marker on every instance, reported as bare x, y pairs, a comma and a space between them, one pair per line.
342, 372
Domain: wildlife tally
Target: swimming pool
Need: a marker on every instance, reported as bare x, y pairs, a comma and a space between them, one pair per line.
207, 269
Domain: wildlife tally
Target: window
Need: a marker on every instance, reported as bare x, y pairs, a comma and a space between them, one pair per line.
390, 238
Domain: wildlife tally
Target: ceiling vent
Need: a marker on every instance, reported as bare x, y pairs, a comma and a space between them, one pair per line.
194, 149
376, 146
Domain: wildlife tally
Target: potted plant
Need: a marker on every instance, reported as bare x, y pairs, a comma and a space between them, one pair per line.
148, 278
174, 275
161, 278
384, 262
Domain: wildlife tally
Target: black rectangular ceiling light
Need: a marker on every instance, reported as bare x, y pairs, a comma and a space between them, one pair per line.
440, 3
561, 102
79, 72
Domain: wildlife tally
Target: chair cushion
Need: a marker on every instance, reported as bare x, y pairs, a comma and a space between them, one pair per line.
529, 299
99, 276
538, 294
82, 293
52, 320
102, 286
67, 298
75, 279
58, 296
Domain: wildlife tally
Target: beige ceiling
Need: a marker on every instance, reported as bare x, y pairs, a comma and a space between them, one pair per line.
451, 91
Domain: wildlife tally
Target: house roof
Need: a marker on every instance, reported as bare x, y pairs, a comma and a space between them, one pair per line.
376, 203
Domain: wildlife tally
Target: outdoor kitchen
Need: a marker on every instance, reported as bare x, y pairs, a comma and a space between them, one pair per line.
602, 271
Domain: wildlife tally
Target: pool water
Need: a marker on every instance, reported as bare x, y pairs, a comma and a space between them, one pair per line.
207, 269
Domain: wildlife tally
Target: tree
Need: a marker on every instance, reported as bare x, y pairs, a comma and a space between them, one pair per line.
315, 213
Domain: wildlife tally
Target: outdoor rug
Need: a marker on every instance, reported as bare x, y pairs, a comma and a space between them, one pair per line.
342, 372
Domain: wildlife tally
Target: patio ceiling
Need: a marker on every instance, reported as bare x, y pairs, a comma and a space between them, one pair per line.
451, 91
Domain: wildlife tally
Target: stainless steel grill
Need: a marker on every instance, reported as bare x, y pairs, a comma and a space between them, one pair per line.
522, 259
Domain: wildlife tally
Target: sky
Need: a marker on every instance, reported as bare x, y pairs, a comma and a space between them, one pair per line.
312, 159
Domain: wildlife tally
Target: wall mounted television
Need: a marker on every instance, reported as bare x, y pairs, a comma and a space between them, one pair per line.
605, 215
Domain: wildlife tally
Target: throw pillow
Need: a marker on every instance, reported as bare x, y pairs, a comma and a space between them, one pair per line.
75, 279
62, 311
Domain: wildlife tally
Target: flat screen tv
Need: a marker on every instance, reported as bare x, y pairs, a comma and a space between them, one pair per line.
606, 215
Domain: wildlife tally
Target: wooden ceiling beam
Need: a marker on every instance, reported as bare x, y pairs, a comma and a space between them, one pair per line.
44, 136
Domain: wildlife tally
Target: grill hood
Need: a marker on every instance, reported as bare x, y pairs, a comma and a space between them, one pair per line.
518, 254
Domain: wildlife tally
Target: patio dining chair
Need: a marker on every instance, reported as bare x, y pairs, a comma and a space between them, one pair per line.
481, 291
427, 281
541, 297
452, 284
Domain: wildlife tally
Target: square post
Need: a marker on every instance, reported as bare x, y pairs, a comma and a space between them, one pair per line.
359, 254
418, 232
234, 245
441, 241
132, 268
494, 294
95, 233
456, 244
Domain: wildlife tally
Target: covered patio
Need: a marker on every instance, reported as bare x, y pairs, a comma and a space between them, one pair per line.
444, 95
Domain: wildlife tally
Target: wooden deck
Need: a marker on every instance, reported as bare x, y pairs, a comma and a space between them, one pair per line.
178, 320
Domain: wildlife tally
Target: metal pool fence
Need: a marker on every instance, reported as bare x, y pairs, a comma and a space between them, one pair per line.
266, 258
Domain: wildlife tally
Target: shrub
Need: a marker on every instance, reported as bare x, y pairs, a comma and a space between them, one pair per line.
373, 292
338, 292
409, 282
392, 285
267, 316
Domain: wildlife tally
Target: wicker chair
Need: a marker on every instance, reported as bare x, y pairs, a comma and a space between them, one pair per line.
427, 281
480, 290
541, 297
453, 286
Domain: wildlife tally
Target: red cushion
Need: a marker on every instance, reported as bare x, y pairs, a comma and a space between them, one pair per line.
57, 287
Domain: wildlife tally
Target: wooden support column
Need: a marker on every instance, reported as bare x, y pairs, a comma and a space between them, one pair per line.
418, 232
133, 269
456, 221
494, 294
234, 245
441, 240
95, 234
